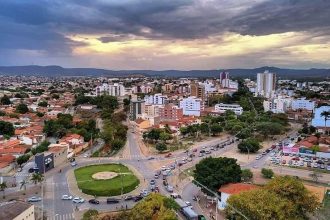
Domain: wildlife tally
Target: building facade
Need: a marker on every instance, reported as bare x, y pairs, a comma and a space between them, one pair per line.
192, 106
303, 104
222, 108
197, 90
136, 109
170, 112
224, 79
266, 84
156, 99
115, 89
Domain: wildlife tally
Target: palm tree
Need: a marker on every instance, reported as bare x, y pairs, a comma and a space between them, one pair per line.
3, 186
23, 185
326, 115
37, 178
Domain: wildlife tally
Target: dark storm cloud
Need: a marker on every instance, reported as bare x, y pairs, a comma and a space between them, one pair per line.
283, 16
43, 24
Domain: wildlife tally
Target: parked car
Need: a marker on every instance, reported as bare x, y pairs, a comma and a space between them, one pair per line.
208, 152
73, 164
309, 164
127, 198
151, 158
66, 197
19, 169
112, 200
322, 166
94, 201
144, 193
34, 199
328, 168
190, 159
152, 182
169, 188
200, 154
156, 176
172, 166
78, 200
195, 150
33, 170
137, 198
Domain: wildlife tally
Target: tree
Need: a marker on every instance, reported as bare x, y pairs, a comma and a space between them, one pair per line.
267, 173
258, 205
292, 189
216, 129
269, 128
90, 214
22, 159
2, 113
161, 147
43, 104
3, 186
23, 185
250, 145
22, 108
326, 115
282, 198
246, 175
154, 206
37, 178
215, 172
117, 144
315, 148
7, 128
40, 114
164, 136
5, 100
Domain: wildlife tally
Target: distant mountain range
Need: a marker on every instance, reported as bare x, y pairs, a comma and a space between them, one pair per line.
60, 71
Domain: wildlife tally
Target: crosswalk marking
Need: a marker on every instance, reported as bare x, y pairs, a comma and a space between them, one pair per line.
22, 174
67, 216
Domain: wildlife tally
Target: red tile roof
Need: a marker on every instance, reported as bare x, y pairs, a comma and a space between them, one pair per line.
235, 188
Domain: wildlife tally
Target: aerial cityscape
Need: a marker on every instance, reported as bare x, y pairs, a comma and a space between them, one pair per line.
164, 110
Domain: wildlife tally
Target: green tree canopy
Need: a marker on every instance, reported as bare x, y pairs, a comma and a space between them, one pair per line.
7, 128
246, 175
269, 128
5, 100
251, 145
282, 198
43, 104
267, 173
215, 172
22, 108
161, 147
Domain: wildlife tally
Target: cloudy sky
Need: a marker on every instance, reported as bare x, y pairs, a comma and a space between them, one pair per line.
165, 34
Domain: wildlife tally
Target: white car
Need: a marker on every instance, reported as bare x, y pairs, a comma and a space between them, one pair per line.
85, 155
66, 197
188, 204
34, 199
169, 188
78, 200
164, 168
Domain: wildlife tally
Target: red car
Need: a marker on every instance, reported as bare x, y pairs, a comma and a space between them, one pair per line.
195, 150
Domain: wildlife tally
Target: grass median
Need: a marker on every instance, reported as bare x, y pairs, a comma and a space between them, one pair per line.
108, 187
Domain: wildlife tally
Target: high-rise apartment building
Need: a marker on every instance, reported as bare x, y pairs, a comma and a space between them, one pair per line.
115, 89
197, 90
266, 84
192, 106
137, 108
224, 79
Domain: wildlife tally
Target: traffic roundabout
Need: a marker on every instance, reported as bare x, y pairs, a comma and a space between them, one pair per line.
106, 179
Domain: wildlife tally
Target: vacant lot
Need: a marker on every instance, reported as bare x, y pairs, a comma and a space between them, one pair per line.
110, 187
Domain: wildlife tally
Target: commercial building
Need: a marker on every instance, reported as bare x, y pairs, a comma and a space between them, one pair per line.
222, 108
60, 154
156, 99
192, 106
266, 84
44, 161
303, 104
170, 112
136, 109
115, 89
17, 210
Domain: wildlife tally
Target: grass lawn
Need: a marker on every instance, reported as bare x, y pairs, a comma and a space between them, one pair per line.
111, 187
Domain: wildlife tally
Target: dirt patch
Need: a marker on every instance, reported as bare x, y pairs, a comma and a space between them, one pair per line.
105, 175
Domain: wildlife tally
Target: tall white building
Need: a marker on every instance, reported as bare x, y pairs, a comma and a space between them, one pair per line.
222, 108
156, 99
266, 83
192, 106
224, 79
303, 104
115, 89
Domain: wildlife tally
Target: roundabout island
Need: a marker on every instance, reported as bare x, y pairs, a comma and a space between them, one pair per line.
106, 179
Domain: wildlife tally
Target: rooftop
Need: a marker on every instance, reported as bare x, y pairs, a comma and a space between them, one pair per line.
10, 210
235, 188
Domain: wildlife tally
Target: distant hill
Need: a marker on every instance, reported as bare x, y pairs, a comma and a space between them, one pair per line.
60, 71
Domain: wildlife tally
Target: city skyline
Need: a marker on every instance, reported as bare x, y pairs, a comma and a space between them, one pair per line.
145, 34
